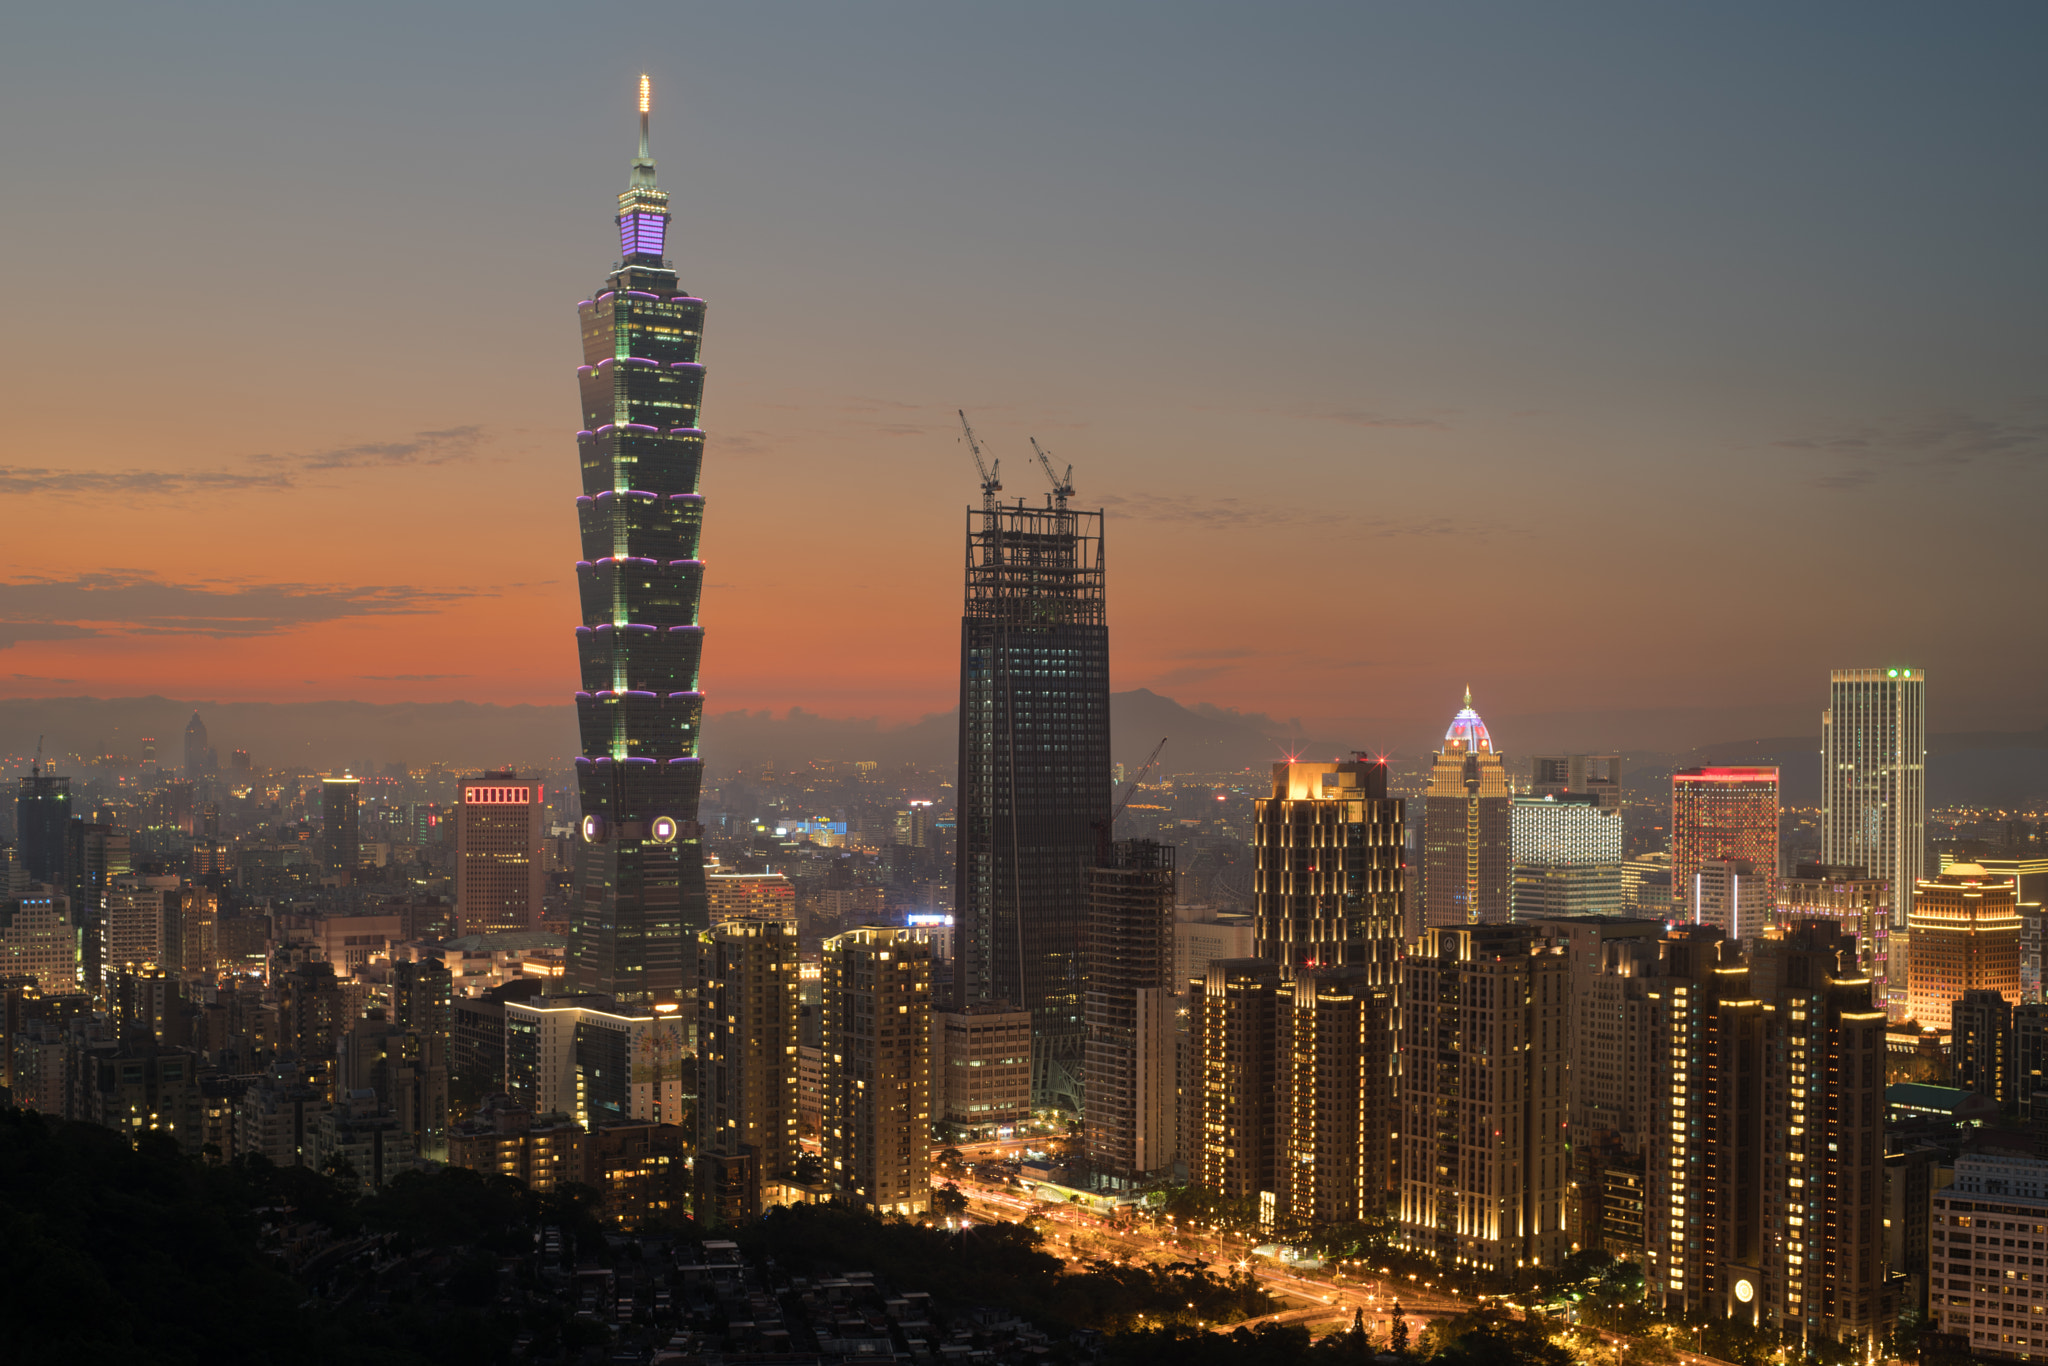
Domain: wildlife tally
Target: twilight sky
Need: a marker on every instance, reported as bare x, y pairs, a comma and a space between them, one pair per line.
1629, 363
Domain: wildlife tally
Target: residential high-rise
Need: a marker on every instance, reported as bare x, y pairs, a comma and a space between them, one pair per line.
1723, 813
42, 821
340, 824
1594, 776
640, 899
1033, 773
877, 1114
1873, 803
1965, 929
2028, 1083
1130, 1011
1980, 1044
1858, 903
1465, 830
1237, 1115
1484, 1140
1327, 871
746, 977
499, 874
1566, 853
1764, 1197
1337, 1158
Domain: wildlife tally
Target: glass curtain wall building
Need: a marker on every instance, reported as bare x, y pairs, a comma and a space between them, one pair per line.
1034, 783
1873, 802
641, 894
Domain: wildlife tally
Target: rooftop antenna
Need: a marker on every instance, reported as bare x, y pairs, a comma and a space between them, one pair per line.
1062, 485
35, 770
991, 484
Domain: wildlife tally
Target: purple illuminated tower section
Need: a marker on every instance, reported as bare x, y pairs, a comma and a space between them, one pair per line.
640, 896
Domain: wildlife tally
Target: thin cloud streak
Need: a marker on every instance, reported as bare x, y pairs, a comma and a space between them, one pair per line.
134, 603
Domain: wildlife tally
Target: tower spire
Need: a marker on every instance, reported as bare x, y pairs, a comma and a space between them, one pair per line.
646, 101
1468, 694
643, 208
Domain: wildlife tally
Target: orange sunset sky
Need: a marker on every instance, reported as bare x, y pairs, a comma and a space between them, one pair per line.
1605, 363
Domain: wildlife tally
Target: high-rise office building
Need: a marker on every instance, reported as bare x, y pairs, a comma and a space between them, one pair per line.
39, 939
1484, 1160
1033, 779
1130, 1011
1980, 1044
641, 898
1593, 776
1728, 894
42, 824
1327, 869
341, 842
1566, 856
499, 874
1763, 1200
1723, 813
1995, 1201
1338, 1161
1465, 830
981, 1069
1965, 929
746, 977
642, 877
1860, 905
1873, 802
876, 1105
198, 753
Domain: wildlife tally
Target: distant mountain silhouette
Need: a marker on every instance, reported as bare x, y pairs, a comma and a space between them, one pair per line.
2002, 768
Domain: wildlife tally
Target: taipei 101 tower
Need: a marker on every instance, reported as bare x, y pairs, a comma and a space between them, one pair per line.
640, 896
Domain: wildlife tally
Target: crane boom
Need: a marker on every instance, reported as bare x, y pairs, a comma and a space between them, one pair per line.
1137, 779
991, 483
1062, 485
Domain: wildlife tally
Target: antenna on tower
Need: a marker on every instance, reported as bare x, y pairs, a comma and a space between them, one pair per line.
991, 485
35, 770
646, 103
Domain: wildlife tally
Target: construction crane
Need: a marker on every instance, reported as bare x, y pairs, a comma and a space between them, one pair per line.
1108, 827
36, 769
1062, 484
991, 484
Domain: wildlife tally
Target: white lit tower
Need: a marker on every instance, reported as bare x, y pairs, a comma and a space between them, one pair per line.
641, 897
1873, 803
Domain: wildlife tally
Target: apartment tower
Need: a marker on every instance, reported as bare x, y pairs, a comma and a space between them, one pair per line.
1130, 1011
1327, 870
876, 1113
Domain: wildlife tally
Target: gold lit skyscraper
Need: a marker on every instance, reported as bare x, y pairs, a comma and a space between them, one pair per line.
1465, 830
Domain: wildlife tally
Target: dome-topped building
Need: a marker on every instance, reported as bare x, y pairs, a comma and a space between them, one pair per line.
1465, 830
1467, 734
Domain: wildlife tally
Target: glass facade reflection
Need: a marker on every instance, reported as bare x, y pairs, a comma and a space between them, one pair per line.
641, 896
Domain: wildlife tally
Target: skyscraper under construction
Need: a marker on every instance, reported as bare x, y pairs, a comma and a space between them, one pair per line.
641, 896
1033, 783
